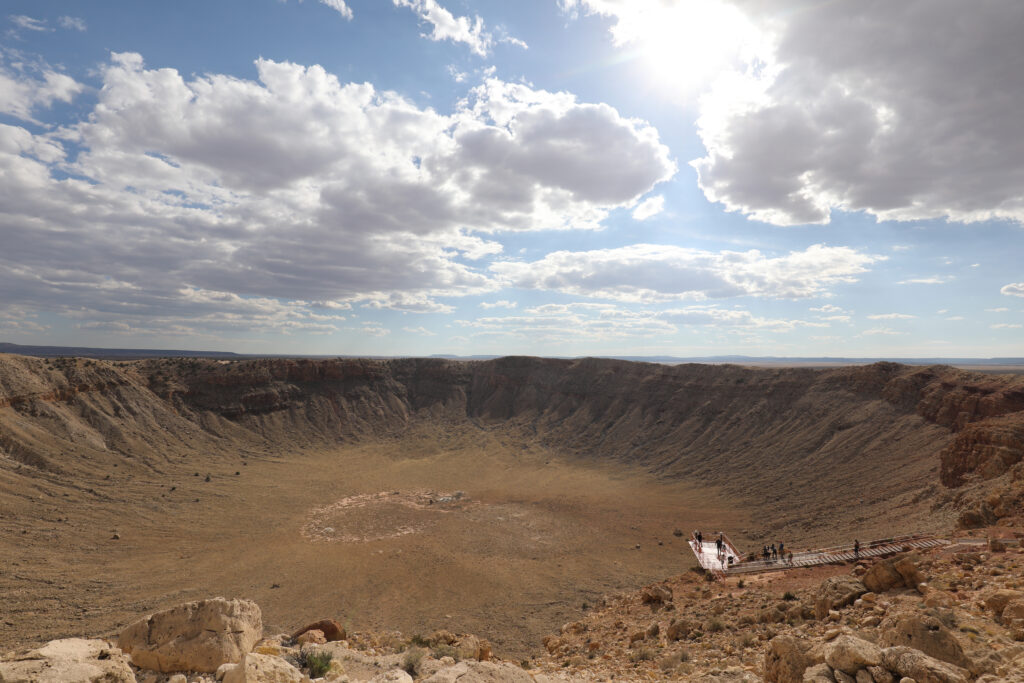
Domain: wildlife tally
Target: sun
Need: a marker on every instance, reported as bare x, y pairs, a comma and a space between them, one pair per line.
686, 45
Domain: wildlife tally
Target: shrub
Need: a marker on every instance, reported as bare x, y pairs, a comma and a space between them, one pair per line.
441, 650
419, 641
715, 626
788, 596
644, 654
318, 663
411, 661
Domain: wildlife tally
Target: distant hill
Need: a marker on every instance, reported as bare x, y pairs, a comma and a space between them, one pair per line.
109, 354
128, 354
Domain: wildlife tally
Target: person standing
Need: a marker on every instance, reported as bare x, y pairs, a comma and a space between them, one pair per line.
856, 549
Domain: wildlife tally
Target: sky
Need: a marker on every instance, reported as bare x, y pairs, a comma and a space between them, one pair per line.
546, 177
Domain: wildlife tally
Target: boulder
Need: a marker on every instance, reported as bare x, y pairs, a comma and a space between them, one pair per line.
314, 636
392, 676
819, 673
998, 600
70, 660
849, 654
732, 674
678, 629
882, 577
786, 660
195, 636
655, 595
480, 672
911, 663
257, 668
836, 592
879, 674
332, 630
927, 634
1013, 610
906, 567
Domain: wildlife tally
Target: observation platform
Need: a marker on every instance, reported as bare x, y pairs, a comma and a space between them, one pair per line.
735, 562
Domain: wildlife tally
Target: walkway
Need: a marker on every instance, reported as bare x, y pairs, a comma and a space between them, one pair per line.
811, 558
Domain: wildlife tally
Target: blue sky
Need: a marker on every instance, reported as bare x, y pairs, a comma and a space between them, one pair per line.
563, 177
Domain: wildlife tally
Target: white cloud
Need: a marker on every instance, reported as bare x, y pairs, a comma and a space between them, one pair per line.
28, 23
504, 303
885, 331
649, 207
891, 316
909, 111
447, 26
340, 7
933, 280
1013, 289
294, 188
900, 247
1001, 309
1006, 326
420, 331
72, 23
828, 308
649, 273
731, 317
955, 317
25, 87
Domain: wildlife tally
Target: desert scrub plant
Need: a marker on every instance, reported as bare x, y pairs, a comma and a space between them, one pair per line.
788, 596
419, 641
441, 650
715, 626
746, 640
644, 654
411, 660
318, 663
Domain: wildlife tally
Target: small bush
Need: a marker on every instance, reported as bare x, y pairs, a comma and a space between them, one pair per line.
419, 641
318, 663
788, 596
715, 626
644, 654
746, 640
741, 583
441, 650
411, 661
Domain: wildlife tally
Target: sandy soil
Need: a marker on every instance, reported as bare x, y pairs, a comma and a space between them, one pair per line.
532, 538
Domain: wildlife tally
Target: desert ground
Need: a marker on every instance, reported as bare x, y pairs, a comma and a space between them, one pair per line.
502, 499
532, 538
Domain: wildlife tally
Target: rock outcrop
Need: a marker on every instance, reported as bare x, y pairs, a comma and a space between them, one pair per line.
195, 636
71, 660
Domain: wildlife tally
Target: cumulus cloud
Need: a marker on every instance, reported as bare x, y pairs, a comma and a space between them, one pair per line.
885, 331
297, 188
1006, 326
891, 316
1013, 289
650, 273
649, 208
447, 26
905, 110
25, 87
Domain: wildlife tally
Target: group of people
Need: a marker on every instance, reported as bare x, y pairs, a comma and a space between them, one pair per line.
721, 547
772, 553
